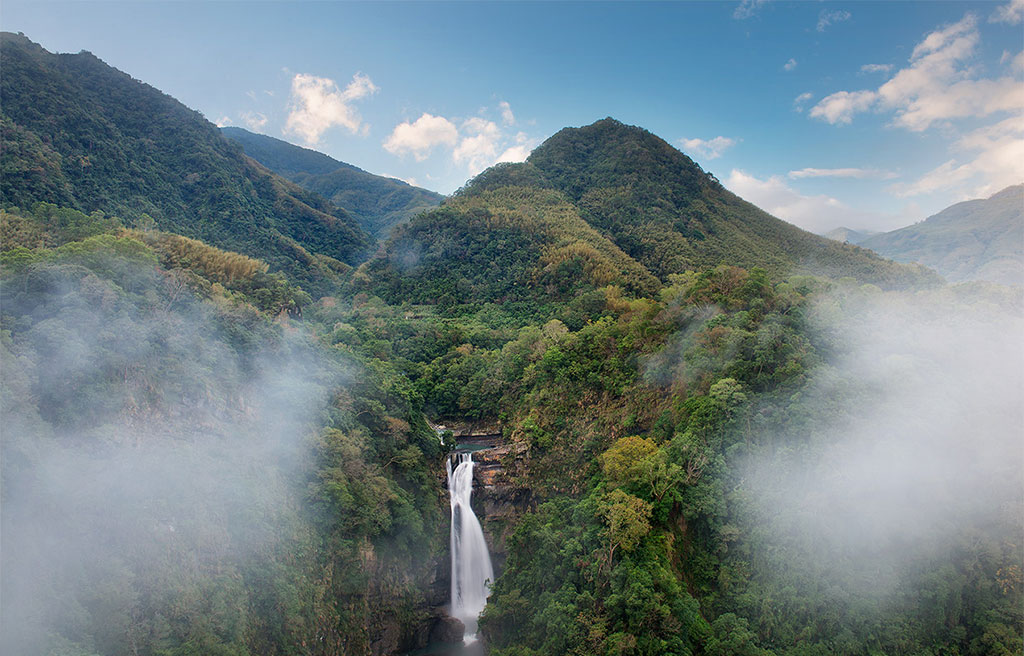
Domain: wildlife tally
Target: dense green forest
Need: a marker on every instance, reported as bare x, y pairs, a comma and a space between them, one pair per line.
728, 437
83, 135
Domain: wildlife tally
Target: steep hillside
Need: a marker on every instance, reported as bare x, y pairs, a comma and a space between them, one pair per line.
604, 204
663, 210
974, 240
81, 134
377, 202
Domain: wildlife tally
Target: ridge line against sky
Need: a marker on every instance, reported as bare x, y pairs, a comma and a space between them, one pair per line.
865, 115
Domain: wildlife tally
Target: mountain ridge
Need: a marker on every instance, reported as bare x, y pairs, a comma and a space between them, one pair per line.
81, 134
378, 202
644, 198
978, 239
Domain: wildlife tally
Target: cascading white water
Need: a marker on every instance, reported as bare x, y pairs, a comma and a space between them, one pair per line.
471, 563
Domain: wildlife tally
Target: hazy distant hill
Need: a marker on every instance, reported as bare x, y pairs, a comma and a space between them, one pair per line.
850, 235
606, 203
81, 134
379, 203
974, 240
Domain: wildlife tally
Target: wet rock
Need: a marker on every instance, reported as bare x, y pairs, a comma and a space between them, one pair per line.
447, 629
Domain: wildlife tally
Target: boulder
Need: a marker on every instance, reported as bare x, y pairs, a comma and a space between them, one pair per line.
447, 629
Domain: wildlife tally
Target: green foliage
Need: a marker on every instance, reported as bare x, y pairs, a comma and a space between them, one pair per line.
111, 358
663, 211
378, 203
82, 135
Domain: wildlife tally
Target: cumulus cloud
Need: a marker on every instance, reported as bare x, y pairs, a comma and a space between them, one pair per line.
520, 151
799, 101
941, 87
831, 16
937, 86
421, 136
748, 8
1011, 13
478, 147
507, 117
255, 121
223, 121
317, 104
994, 160
708, 148
840, 107
855, 173
790, 65
475, 144
876, 68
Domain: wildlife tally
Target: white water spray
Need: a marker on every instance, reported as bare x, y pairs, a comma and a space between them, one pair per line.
471, 563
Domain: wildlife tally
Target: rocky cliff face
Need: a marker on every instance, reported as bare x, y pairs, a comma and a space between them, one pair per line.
498, 500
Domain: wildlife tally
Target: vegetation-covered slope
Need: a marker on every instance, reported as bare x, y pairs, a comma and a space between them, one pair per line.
184, 475
974, 240
510, 245
661, 209
378, 203
604, 204
81, 134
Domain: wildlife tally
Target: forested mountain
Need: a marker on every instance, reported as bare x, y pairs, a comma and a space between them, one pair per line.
719, 435
660, 208
974, 240
80, 134
377, 202
603, 204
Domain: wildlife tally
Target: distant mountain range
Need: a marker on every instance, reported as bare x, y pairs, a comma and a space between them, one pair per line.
850, 236
379, 203
974, 240
602, 204
81, 134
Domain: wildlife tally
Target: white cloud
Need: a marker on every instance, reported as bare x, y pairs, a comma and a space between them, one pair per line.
478, 148
317, 104
421, 136
798, 102
814, 213
842, 105
830, 17
255, 121
507, 117
708, 148
223, 121
876, 68
855, 173
747, 8
994, 160
520, 151
1012, 13
939, 85
1017, 64
476, 144
790, 65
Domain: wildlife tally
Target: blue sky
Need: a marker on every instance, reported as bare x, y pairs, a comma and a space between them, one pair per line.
865, 114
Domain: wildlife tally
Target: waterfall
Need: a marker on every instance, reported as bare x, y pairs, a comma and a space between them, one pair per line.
471, 563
